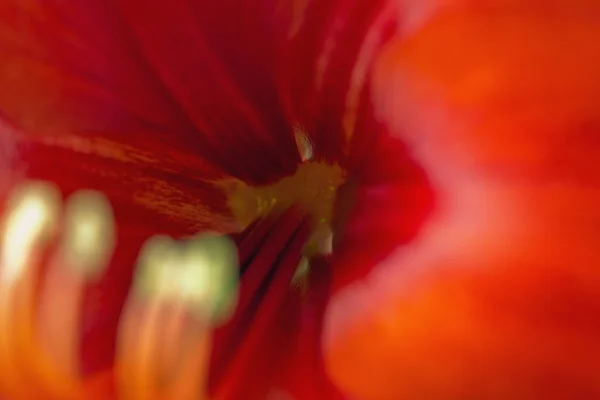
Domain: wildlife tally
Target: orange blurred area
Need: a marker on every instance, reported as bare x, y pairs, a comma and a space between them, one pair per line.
500, 101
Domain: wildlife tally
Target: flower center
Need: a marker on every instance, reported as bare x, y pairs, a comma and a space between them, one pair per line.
313, 187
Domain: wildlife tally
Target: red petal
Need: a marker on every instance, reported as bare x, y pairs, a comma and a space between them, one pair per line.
305, 376
129, 70
498, 297
247, 357
328, 58
95, 115
216, 59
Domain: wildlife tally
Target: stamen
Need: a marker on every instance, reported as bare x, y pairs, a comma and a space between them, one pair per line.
31, 215
89, 233
211, 276
152, 277
181, 291
138, 361
190, 347
303, 143
299, 279
140, 323
83, 254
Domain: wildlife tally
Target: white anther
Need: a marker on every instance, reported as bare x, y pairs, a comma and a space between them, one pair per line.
158, 257
89, 232
301, 273
202, 273
32, 212
303, 143
212, 264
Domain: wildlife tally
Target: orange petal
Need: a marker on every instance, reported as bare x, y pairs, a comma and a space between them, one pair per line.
498, 297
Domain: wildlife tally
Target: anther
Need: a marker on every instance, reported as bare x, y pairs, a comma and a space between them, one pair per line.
210, 276
303, 143
83, 253
32, 213
154, 272
181, 290
89, 233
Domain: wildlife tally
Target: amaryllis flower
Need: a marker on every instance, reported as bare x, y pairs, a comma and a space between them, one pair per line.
412, 188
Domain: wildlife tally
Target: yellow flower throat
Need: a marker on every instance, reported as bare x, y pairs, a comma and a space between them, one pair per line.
312, 187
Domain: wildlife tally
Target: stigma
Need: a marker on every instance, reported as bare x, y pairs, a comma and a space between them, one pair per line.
50, 251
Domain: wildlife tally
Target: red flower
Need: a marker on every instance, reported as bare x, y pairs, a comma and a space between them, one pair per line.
450, 147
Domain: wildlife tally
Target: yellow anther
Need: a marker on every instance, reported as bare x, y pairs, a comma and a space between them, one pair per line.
32, 212
214, 260
158, 255
89, 232
201, 273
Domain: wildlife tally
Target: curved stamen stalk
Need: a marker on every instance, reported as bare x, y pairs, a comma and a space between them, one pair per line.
183, 289
82, 255
31, 215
